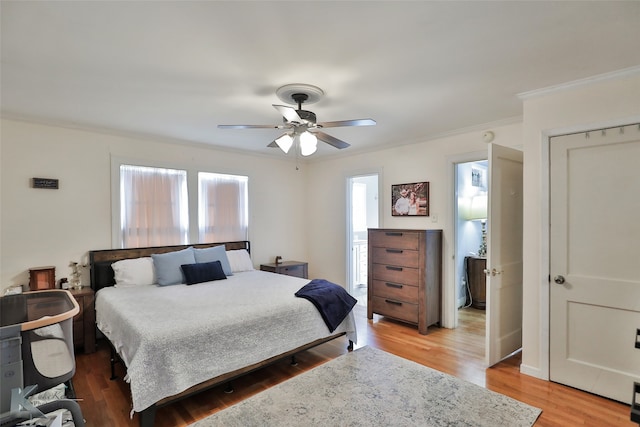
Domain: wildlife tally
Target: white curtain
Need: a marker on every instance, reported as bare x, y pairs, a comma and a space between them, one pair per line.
154, 206
223, 207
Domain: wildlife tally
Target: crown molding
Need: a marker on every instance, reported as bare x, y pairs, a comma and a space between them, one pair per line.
613, 75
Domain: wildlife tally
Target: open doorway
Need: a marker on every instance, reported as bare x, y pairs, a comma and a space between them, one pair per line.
363, 213
471, 241
495, 176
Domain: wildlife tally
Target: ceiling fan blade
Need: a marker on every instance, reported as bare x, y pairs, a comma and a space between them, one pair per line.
355, 122
288, 113
338, 143
274, 143
250, 127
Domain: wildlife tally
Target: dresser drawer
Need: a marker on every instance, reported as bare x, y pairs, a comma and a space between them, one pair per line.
395, 291
401, 257
395, 239
396, 309
396, 274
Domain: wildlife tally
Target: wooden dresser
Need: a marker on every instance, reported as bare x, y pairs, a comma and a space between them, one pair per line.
405, 275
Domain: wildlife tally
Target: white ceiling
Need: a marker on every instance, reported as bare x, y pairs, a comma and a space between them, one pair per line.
178, 69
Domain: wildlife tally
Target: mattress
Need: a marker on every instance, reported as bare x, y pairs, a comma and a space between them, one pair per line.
174, 337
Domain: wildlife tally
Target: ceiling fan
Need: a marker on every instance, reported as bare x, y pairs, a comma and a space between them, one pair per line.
300, 125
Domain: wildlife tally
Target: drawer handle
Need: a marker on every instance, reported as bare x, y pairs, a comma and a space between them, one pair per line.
389, 301
394, 268
395, 251
393, 285
389, 233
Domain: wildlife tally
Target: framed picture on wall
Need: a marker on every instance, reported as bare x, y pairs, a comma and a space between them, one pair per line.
478, 178
410, 199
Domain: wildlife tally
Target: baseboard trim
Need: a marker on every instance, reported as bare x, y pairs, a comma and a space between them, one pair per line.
531, 371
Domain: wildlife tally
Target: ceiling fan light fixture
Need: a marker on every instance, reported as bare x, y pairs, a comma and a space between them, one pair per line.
308, 143
297, 123
285, 142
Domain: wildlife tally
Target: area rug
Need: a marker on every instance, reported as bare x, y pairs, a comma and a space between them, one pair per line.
370, 387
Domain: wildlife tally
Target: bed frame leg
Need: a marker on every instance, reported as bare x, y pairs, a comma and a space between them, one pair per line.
294, 362
350, 346
229, 388
113, 359
148, 416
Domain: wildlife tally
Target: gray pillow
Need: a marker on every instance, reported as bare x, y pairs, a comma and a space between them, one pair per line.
168, 271
216, 253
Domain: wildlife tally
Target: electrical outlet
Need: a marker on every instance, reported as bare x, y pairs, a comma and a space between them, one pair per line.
434, 217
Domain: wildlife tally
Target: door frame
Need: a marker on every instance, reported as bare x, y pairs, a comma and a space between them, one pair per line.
348, 175
545, 238
449, 299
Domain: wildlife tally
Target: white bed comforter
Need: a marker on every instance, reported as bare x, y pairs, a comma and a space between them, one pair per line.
174, 337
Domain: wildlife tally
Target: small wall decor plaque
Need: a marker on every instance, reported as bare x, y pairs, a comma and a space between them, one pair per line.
410, 199
49, 183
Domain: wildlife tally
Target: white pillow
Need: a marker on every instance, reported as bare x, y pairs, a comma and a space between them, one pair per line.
134, 272
240, 260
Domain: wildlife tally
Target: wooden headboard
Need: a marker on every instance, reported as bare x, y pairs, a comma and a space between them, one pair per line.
100, 261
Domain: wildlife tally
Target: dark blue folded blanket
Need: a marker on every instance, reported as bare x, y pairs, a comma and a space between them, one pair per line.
332, 301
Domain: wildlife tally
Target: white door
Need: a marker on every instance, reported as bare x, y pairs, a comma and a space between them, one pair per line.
595, 261
504, 254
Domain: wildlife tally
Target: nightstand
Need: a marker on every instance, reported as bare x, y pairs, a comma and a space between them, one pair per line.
84, 323
477, 281
290, 268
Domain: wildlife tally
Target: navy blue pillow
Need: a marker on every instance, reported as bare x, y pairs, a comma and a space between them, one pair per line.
203, 272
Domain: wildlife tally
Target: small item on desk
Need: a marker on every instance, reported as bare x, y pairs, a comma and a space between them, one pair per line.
13, 290
64, 283
278, 259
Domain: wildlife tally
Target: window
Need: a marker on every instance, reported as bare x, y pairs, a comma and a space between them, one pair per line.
222, 207
153, 206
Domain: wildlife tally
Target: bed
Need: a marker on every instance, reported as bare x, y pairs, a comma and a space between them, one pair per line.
178, 340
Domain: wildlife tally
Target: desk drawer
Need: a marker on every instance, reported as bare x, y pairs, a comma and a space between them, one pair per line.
395, 291
396, 274
294, 270
396, 309
392, 256
395, 239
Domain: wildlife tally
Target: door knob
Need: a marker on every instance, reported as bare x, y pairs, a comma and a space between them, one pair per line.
492, 272
559, 279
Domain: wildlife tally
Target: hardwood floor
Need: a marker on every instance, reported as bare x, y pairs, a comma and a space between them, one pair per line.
459, 352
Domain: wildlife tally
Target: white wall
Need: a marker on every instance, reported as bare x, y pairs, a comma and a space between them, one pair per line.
53, 227
427, 161
592, 105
